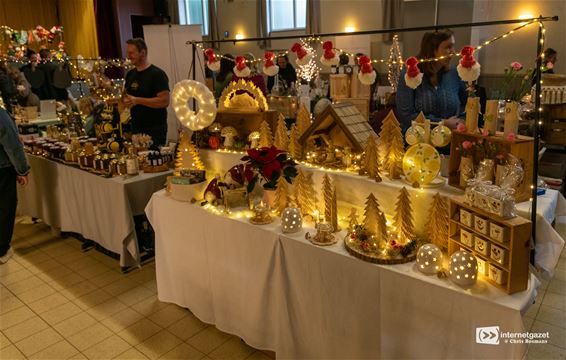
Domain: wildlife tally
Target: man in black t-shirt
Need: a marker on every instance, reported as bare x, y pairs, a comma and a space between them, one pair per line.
147, 89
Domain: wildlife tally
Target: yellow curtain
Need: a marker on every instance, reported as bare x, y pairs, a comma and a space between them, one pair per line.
79, 23
27, 14
76, 17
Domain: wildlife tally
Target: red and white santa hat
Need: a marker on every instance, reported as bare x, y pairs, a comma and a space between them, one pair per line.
413, 76
367, 74
468, 68
269, 67
212, 62
303, 55
241, 69
329, 57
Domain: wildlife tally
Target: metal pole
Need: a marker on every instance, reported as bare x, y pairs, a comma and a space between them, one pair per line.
436, 11
194, 71
537, 131
382, 31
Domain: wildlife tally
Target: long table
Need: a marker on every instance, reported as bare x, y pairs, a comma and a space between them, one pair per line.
279, 292
352, 190
101, 209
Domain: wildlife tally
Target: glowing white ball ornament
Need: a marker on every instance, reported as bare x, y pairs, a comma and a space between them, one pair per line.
440, 136
414, 135
463, 268
183, 92
291, 220
429, 259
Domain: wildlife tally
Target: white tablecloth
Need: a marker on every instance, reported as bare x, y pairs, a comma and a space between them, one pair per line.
100, 209
281, 293
352, 190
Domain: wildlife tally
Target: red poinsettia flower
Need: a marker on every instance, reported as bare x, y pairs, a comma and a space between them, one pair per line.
270, 167
264, 155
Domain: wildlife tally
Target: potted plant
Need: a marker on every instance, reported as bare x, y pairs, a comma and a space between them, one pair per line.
266, 165
513, 93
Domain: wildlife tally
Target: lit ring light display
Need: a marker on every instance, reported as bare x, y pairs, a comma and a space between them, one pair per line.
186, 90
421, 164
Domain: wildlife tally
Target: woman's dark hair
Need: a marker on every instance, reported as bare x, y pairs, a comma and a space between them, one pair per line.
429, 44
226, 67
549, 52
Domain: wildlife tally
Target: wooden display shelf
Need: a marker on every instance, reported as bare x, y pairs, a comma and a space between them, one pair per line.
517, 232
246, 122
522, 149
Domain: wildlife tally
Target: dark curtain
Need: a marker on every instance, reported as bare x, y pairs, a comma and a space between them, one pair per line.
108, 47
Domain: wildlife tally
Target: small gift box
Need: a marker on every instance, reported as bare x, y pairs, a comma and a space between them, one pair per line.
483, 267
466, 238
497, 275
481, 225
466, 218
481, 246
498, 254
497, 232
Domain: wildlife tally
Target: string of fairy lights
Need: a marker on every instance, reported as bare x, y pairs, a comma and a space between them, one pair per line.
316, 39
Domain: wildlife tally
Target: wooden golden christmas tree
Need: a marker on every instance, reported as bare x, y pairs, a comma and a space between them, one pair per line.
371, 160
394, 157
403, 221
374, 220
385, 135
295, 149
265, 136
303, 119
353, 219
281, 195
305, 193
187, 156
330, 209
281, 139
437, 223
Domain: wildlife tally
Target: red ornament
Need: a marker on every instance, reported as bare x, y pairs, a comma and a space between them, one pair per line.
210, 55
240, 62
269, 57
214, 142
365, 64
412, 68
299, 49
467, 54
329, 53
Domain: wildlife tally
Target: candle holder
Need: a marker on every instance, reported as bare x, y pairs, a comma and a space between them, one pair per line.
262, 215
324, 235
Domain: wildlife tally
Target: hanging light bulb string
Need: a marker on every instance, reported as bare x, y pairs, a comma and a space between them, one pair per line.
316, 39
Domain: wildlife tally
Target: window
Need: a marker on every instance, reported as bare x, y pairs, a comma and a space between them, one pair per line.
194, 12
286, 14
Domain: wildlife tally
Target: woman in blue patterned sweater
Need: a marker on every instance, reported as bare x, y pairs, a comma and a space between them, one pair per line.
442, 94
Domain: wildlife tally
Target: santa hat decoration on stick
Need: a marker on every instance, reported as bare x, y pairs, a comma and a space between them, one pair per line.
269, 68
468, 68
329, 57
241, 69
303, 56
367, 74
413, 76
212, 62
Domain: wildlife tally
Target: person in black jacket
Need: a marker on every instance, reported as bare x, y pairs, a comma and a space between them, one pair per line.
36, 77
286, 73
13, 168
7, 87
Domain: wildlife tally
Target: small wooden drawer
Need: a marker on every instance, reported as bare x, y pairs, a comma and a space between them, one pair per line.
497, 232
466, 218
481, 246
483, 267
466, 238
498, 254
481, 225
497, 275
